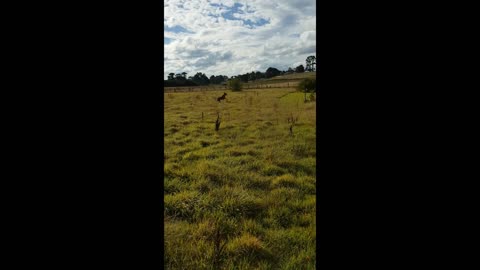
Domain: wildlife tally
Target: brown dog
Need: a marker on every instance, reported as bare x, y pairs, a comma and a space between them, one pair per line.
222, 97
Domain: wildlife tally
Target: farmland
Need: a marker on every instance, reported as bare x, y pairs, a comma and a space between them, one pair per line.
242, 197
285, 81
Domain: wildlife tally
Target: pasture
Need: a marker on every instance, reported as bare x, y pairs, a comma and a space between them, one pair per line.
242, 197
283, 81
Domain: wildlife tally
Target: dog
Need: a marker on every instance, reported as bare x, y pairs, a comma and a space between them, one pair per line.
222, 97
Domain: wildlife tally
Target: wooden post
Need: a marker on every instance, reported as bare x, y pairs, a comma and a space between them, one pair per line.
217, 123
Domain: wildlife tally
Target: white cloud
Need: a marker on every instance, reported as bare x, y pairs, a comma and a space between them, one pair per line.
216, 45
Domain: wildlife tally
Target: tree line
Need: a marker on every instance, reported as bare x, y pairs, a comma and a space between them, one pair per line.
181, 79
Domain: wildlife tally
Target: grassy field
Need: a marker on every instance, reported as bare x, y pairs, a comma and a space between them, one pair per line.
242, 197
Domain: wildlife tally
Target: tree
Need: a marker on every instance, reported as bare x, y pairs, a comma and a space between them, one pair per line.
307, 85
170, 76
213, 79
311, 63
272, 72
184, 74
201, 79
235, 85
244, 77
300, 69
290, 70
252, 76
217, 79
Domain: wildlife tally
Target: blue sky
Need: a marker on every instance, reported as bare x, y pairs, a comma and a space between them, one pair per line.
231, 37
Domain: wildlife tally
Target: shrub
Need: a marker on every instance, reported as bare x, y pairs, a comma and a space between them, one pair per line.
309, 84
235, 85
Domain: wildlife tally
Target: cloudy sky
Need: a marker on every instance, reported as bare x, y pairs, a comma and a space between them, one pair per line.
229, 37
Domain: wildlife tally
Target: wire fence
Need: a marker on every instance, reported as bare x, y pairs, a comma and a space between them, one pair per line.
224, 87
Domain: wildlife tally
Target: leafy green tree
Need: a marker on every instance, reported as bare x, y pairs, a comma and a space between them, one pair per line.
252, 76
170, 76
201, 79
244, 77
300, 69
311, 62
272, 72
308, 85
217, 79
235, 84
213, 79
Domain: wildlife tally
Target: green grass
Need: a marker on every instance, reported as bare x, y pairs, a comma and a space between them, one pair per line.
242, 197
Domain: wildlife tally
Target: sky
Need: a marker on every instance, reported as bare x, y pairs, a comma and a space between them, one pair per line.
228, 37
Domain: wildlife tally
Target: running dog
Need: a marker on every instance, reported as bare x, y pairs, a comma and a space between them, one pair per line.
222, 97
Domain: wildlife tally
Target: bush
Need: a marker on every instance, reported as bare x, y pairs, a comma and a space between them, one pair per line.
235, 85
309, 84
